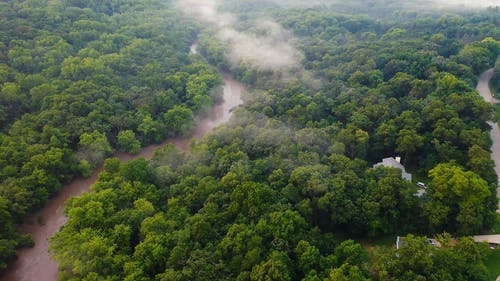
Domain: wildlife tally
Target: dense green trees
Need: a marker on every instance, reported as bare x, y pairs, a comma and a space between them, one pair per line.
273, 194
253, 218
416, 259
464, 194
81, 79
261, 239
127, 141
495, 80
178, 120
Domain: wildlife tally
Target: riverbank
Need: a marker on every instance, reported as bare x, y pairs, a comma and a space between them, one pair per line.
495, 85
35, 263
484, 90
496, 108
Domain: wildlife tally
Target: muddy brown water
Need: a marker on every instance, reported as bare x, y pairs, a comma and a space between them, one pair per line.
36, 264
484, 90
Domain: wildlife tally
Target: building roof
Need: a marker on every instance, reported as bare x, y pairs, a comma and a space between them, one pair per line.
492, 239
390, 162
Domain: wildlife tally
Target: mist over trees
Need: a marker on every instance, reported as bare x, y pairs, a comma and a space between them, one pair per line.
283, 189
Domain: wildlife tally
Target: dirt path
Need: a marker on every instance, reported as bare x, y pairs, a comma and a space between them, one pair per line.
35, 264
484, 90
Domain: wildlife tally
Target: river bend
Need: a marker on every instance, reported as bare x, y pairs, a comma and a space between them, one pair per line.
35, 263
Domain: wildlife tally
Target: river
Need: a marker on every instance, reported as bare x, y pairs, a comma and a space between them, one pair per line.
484, 90
35, 263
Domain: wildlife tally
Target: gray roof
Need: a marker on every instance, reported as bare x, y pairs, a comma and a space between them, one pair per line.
390, 162
492, 239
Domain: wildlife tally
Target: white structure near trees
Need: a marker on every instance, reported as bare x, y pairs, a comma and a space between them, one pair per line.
391, 162
493, 240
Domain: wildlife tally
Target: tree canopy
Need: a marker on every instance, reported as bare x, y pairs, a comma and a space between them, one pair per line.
81, 79
281, 191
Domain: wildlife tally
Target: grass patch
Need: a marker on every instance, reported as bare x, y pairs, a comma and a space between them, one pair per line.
496, 108
495, 92
420, 173
368, 242
493, 264
389, 240
420, 176
496, 227
495, 85
385, 241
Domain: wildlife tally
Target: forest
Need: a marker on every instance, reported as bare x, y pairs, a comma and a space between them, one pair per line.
80, 80
286, 190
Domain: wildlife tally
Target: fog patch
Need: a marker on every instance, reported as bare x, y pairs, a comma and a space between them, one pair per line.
267, 47
425, 5
459, 4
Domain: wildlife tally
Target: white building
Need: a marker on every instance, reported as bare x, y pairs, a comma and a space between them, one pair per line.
390, 162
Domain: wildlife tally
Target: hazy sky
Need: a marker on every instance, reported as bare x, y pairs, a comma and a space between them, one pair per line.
418, 4
464, 3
